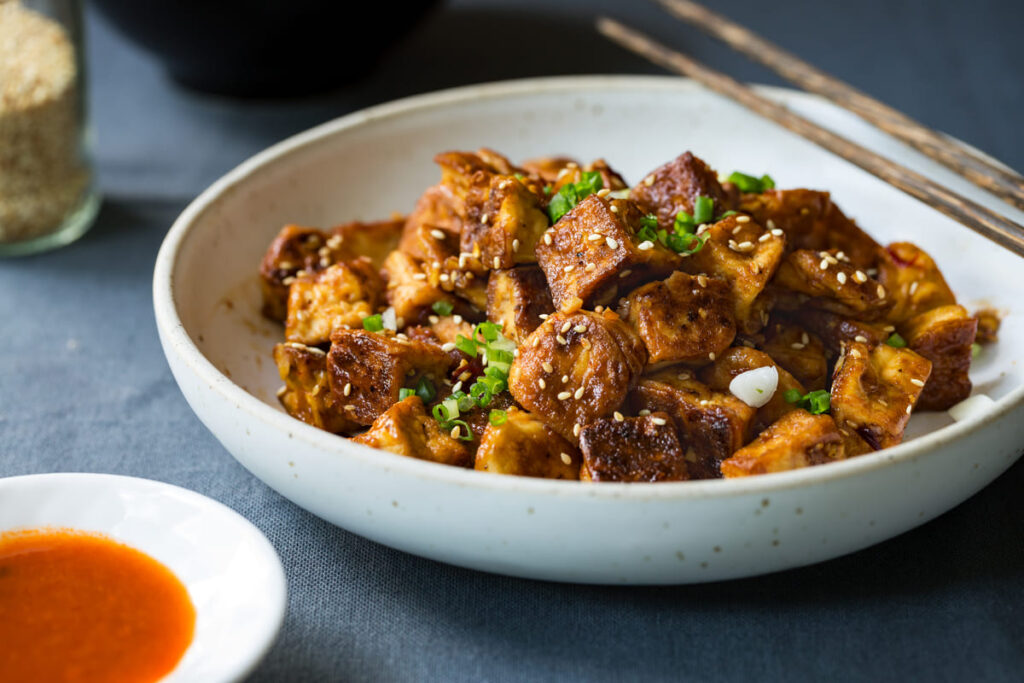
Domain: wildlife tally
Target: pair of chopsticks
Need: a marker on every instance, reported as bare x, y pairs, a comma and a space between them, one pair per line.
1004, 184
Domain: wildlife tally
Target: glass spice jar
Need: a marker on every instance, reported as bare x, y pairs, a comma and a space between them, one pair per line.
47, 193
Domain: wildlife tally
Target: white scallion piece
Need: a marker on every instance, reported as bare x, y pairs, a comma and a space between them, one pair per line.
971, 406
389, 319
755, 387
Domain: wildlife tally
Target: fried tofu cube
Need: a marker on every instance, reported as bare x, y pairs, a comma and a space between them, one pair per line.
682, 319
711, 424
431, 232
944, 336
406, 429
675, 186
373, 240
797, 440
504, 221
306, 394
833, 285
575, 368
294, 250
913, 279
525, 446
593, 254
338, 296
812, 221
874, 391
408, 290
634, 449
740, 359
368, 369
745, 255
798, 351
516, 299
549, 169
836, 331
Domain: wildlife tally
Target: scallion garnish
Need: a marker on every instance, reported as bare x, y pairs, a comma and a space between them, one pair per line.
816, 402
373, 323
425, 390
896, 341
703, 209
498, 417
405, 393
442, 307
572, 194
751, 184
975, 350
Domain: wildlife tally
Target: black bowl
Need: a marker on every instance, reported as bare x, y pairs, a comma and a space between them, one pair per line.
256, 48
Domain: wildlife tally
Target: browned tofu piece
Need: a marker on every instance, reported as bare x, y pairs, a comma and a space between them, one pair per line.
549, 169
406, 429
504, 221
634, 449
682, 319
812, 221
989, 321
593, 254
745, 255
339, 296
525, 446
673, 187
874, 391
800, 352
431, 232
294, 249
516, 299
306, 394
448, 327
944, 336
836, 331
740, 359
797, 440
373, 240
576, 368
833, 285
368, 369
711, 424
408, 290
573, 173
914, 281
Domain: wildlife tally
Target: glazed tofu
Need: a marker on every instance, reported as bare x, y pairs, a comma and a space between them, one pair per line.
944, 336
874, 391
633, 449
740, 359
576, 368
504, 221
836, 331
592, 254
516, 299
682, 319
812, 221
295, 249
675, 186
833, 285
431, 232
406, 429
798, 351
525, 446
798, 439
340, 295
711, 424
549, 169
373, 240
915, 282
408, 290
368, 369
306, 394
745, 255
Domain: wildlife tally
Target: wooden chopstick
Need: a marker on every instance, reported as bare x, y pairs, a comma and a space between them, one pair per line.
1007, 185
987, 223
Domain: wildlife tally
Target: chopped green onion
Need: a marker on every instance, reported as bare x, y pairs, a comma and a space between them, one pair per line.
442, 307
684, 223
451, 407
425, 390
817, 402
728, 213
792, 396
547, 189
703, 209
467, 346
519, 176
405, 393
498, 417
440, 413
465, 433
975, 350
572, 194
373, 323
896, 341
749, 183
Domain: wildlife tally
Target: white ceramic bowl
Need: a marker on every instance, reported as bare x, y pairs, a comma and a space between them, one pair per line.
232, 574
377, 161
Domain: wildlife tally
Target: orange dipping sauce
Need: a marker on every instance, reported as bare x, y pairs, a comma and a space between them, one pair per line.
79, 606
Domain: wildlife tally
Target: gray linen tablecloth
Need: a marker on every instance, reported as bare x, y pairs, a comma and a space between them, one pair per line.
84, 386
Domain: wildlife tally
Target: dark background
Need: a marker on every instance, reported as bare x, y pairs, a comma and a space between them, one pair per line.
84, 386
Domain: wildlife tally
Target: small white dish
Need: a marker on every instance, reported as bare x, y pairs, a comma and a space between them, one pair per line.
370, 163
232, 573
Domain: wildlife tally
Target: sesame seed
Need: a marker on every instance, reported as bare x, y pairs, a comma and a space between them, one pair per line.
909, 408
824, 264
455, 432
683, 375
598, 309
288, 280
436, 265
855, 353
797, 345
618, 416
448, 347
457, 387
711, 356
861, 338
561, 340
348, 389
704, 402
841, 277
804, 338
916, 382
542, 384
564, 395
547, 367
569, 268
565, 379
644, 413
626, 273
660, 421
443, 277
649, 180
765, 237
484, 218
496, 263
515, 245
889, 328
841, 255
860, 277
579, 393
350, 408
535, 342
576, 429
604, 192
419, 276
746, 245
736, 230
702, 280
742, 219
543, 316
614, 209
612, 243
913, 287
595, 236
547, 238
282, 391
580, 328
565, 458
566, 327
770, 224
437, 234
465, 376
457, 319
589, 268
645, 245
775, 231
880, 291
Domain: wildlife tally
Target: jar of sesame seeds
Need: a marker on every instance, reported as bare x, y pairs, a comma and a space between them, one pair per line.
47, 195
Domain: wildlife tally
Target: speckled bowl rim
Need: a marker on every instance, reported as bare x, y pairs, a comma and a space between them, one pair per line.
179, 342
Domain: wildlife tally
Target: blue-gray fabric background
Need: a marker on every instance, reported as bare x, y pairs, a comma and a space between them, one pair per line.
84, 386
